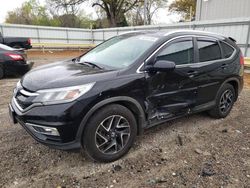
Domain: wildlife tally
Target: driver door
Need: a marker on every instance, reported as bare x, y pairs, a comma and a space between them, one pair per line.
172, 93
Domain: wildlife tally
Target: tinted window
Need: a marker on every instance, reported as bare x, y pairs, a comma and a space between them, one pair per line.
227, 50
180, 52
208, 50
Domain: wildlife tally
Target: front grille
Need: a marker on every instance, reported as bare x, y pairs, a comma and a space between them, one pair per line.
23, 101
21, 104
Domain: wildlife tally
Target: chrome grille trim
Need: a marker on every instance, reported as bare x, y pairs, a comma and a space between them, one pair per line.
26, 109
17, 105
27, 93
20, 90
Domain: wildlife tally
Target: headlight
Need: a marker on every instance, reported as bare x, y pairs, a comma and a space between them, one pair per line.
62, 95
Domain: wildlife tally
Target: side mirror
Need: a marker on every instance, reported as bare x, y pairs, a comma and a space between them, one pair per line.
161, 66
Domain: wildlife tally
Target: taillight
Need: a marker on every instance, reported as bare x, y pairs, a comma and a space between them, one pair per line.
29, 41
15, 57
242, 61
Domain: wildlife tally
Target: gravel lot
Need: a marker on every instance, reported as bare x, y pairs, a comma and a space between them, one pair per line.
195, 151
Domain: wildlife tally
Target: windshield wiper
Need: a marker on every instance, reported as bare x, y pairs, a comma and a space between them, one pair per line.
91, 64
76, 60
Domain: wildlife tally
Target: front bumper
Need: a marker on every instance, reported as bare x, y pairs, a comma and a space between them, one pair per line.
64, 118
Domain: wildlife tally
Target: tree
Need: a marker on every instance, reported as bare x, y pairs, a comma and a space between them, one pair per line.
186, 8
30, 13
115, 10
85, 20
65, 6
68, 13
65, 11
135, 16
152, 6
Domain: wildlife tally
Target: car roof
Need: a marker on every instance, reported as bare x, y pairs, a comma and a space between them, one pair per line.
175, 33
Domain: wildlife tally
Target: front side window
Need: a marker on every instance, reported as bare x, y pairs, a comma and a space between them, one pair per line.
181, 52
120, 51
208, 50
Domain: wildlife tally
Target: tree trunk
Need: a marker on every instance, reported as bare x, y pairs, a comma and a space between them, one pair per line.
149, 19
112, 20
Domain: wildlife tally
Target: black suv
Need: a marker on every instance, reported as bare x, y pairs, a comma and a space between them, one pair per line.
101, 100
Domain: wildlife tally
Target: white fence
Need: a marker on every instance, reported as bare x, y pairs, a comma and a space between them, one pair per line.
40, 34
236, 28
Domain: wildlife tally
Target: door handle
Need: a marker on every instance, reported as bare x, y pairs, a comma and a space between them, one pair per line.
192, 73
223, 66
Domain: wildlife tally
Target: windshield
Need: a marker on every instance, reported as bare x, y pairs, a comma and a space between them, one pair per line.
120, 51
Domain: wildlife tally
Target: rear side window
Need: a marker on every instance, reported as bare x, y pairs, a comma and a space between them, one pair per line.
227, 50
181, 52
208, 50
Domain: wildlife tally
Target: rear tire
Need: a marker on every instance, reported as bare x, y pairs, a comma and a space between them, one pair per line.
1, 72
110, 133
224, 102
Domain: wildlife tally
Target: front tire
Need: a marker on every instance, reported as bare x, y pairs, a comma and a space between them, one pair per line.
224, 102
110, 133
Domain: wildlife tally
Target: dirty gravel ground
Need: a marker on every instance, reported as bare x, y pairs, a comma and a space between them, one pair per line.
194, 151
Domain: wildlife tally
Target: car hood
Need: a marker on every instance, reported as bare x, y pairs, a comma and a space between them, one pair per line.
64, 74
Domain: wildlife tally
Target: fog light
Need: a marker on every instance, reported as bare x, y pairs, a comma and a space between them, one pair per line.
43, 129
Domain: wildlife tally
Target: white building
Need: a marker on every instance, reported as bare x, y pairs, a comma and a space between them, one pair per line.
222, 9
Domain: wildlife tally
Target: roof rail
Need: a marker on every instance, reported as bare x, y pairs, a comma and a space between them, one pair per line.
131, 32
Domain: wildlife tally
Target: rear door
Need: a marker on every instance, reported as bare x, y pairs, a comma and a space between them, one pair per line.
209, 66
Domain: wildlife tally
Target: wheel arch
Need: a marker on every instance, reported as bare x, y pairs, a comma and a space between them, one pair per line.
130, 103
235, 83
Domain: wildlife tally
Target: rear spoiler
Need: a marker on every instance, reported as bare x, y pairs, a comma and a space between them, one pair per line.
232, 39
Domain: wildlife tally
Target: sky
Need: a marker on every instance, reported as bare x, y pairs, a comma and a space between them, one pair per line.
162, 17
8, 6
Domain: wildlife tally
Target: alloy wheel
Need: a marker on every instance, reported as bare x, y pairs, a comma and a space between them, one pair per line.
112, 134
226, 101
